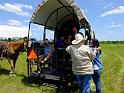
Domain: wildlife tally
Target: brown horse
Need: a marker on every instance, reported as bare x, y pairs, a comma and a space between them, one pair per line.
11, 51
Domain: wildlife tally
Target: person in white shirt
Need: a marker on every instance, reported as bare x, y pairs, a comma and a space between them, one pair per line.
97, 65
81, 57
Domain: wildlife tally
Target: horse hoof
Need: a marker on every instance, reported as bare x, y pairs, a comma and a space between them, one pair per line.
12, 74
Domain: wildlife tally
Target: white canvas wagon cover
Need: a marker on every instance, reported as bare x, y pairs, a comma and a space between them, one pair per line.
50, 12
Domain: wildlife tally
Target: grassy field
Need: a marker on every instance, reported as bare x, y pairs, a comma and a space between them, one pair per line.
113, 71
112, 76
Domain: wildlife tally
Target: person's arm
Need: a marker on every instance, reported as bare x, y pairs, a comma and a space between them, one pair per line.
48, 56
51, 50
68, 49
93, 54
98, 48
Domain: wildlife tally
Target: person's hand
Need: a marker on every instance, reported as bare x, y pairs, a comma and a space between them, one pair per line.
45, 59
98, 48
42, 62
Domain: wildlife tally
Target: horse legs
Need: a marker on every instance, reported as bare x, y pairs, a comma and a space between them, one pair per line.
1, 54
15, 59
12, 71
13, 64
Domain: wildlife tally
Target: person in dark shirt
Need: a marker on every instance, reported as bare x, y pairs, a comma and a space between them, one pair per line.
60, 42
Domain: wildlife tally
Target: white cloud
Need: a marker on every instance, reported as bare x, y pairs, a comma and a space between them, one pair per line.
115, 25
38, 27
15, 8
111, 32
11, 31
109, 5
26, 21
117, 10
13, 22
25, 6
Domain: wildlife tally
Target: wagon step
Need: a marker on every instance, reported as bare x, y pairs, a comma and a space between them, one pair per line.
51, 77
50, 85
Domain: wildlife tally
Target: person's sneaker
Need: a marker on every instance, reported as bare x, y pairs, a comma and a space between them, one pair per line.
42, 62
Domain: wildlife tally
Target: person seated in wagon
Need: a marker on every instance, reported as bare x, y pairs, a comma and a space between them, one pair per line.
48, 50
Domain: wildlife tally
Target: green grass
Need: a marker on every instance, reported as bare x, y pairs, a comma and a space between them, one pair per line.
113, 71
112, 76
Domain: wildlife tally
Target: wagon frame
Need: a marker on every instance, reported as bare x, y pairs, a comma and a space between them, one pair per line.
54, 15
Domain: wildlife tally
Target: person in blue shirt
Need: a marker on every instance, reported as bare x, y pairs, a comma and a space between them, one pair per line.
97, 65
48, 50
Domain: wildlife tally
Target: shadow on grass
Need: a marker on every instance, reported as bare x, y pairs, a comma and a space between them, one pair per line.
31, 81
4, 71
68, 89
38, 82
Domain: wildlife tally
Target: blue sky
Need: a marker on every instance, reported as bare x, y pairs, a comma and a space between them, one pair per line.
105, 16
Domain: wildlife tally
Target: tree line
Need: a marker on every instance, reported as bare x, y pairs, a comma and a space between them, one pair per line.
112, 42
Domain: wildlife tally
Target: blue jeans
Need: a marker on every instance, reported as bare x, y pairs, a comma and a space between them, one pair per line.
84, 82
96, 78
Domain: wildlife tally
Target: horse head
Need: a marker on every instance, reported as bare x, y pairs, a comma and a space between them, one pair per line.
25, 43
